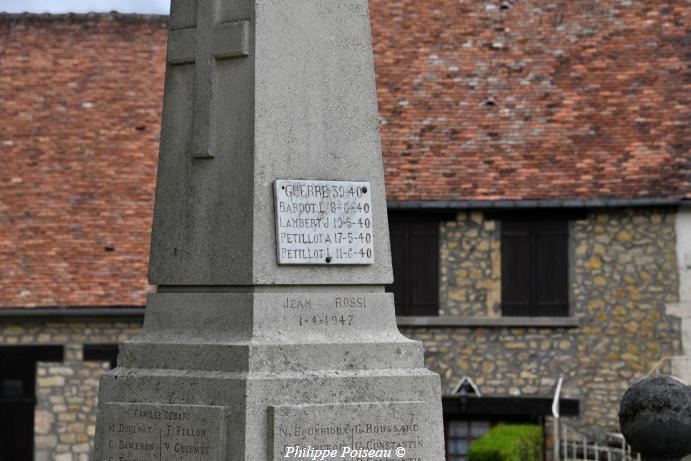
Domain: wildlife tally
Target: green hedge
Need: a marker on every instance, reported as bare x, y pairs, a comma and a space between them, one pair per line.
507, 442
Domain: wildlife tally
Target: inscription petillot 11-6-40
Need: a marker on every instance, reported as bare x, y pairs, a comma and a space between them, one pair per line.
270, 335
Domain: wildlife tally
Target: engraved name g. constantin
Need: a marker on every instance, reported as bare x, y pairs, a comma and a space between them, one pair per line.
357, 429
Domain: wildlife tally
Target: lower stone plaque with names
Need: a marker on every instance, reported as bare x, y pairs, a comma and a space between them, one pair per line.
148, 432
357, 431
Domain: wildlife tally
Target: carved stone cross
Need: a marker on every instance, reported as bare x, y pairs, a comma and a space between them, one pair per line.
203, 46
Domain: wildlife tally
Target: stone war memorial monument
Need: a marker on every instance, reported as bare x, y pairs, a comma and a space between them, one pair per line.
270, 335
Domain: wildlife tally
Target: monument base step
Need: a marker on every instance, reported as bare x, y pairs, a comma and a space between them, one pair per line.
272, 357
681, 367
251, 416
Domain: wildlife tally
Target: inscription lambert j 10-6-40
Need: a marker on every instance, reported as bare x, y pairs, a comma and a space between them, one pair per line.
138, 432
324, 222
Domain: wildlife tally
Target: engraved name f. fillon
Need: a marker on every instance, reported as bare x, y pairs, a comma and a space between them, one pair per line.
203, 46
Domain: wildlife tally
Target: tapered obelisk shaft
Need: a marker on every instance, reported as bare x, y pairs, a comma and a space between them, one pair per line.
270, 330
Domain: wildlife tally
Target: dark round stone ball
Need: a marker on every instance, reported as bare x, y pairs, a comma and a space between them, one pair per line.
655, 417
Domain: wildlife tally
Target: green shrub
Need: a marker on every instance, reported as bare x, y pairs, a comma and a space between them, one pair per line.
507, 442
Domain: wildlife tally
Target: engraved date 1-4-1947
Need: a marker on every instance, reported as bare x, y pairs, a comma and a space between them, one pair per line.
325, 320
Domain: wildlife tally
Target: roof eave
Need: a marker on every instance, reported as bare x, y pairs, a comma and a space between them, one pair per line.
531, 204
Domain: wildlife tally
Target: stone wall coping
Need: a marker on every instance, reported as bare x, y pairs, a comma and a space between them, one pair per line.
489, 322
682, 309
84, 17
72, 312
412, 321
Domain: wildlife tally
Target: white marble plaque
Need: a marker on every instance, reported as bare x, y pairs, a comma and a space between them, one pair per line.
134, 431
356, 431
324, 222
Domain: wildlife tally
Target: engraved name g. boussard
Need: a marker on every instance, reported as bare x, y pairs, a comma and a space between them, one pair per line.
324, 222
353, 431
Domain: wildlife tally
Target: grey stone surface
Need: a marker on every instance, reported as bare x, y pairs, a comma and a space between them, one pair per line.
249, 398
490, 322
324, 222
251, 352
681, 365
270, 332
382, 430
655, 418
301, 105
259, 91
172, 432
204, 46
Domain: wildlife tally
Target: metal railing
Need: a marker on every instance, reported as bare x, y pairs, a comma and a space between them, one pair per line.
571, 443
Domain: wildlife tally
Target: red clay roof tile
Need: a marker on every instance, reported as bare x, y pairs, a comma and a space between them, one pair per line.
538, 100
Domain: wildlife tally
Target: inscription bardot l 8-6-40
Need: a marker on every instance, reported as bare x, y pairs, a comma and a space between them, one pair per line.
324, 222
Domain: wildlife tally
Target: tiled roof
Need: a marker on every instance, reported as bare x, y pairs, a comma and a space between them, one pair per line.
534, 99
80, 104
479, 100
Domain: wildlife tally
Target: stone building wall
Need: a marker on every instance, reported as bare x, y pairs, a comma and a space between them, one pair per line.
65, 416
623, 274
623, 266
470, 272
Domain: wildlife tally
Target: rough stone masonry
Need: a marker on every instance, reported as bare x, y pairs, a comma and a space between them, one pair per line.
270, 333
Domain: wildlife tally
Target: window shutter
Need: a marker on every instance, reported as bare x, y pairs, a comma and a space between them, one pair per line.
516, 268
551, 268
398, 230
423, 267
535, 267
17, 402
415, 259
